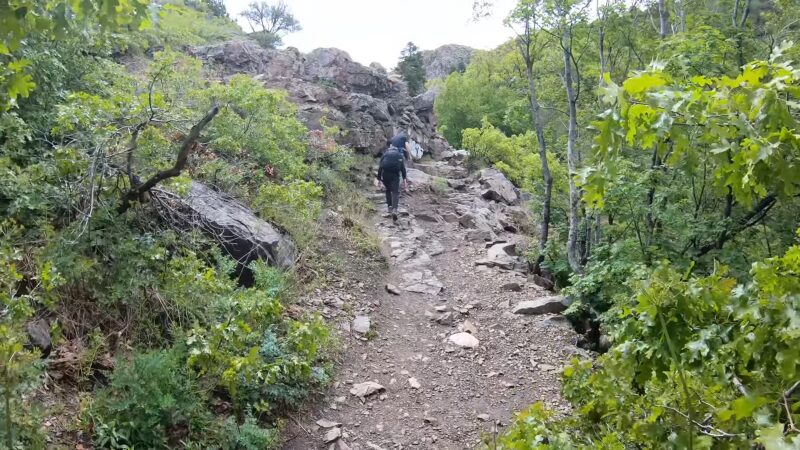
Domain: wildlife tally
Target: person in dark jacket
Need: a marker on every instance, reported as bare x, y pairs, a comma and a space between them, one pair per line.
391, 169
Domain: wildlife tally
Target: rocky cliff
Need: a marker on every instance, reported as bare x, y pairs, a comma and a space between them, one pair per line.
329, 88
445, 60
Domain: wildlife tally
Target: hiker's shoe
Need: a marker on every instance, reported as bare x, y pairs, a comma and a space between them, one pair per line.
394, 215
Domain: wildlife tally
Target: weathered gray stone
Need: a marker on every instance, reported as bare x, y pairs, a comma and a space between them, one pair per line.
545, 305
392, 289
497, 187
479, 235
325, 423
333, 434
361, 324
464, 340
502, 250
235, 227
39, 335
366, 389
511, 287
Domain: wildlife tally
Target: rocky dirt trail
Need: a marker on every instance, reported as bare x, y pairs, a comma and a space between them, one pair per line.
455, 339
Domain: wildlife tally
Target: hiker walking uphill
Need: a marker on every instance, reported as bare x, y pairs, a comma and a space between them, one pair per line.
391, 167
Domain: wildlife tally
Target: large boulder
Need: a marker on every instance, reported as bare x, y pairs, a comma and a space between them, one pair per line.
242, 235
497, 187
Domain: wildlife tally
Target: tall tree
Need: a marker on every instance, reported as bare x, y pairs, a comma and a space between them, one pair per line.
526, 15
410, 67
565, 16
270, 22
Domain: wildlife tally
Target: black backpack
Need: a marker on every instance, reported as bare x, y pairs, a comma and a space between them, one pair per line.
392, 160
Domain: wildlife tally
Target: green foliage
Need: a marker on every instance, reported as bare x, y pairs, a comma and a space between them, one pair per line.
483, 91
269, 22
410, 67
294, 205
740, 124
177, 25
19, 424
53, 19
151, 401
703, 362
259, 358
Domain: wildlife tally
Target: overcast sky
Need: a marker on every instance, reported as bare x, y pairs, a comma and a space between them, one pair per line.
377, 30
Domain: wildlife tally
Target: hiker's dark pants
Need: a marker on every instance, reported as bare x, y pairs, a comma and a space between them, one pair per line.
392, 183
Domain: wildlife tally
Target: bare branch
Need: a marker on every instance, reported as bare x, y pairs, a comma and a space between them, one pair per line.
189, 143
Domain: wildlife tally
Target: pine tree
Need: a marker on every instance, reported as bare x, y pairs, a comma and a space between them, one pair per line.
411, 69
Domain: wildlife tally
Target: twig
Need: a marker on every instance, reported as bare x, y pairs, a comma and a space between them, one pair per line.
299, 424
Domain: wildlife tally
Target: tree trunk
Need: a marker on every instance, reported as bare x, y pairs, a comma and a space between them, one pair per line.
548, 178
663, 15
681, 5
573, 252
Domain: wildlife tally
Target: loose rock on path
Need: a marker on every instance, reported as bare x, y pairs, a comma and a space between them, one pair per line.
446, 359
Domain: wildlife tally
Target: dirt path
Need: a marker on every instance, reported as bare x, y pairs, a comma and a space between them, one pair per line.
435, 394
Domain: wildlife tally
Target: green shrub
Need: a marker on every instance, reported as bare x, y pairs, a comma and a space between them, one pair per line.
294, 206
260, 358
152, 401
697, 363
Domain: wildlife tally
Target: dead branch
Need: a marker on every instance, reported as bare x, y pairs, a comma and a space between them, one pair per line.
189, 143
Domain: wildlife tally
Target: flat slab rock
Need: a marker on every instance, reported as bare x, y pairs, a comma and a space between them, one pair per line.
464, 340
555, 304
242, 234
366, 389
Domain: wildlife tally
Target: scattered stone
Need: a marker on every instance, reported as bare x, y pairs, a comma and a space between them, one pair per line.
502, 250
435, 248
392, 289
430, 286
479, 235
450, 218
426, 217
497, 187
458, 185
366, 389
558, 321
547, 367
464, 340
414, 383
361, 324
39, 335
441, 308
511, 287
325, 423
445, 319
469, 327
542, 281
484, 417
333, 434
342, 445
546, 305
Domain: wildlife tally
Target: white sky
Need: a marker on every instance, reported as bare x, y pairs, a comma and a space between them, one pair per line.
377, 30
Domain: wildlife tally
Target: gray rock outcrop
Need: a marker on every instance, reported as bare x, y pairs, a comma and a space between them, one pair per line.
330, 88
235, 228
442, 61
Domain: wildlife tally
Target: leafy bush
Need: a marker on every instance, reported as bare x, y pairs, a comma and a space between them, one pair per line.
260, 358
294, 206
152, 401
697, 363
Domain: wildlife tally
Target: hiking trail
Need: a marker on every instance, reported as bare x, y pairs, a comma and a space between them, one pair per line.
443, 360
